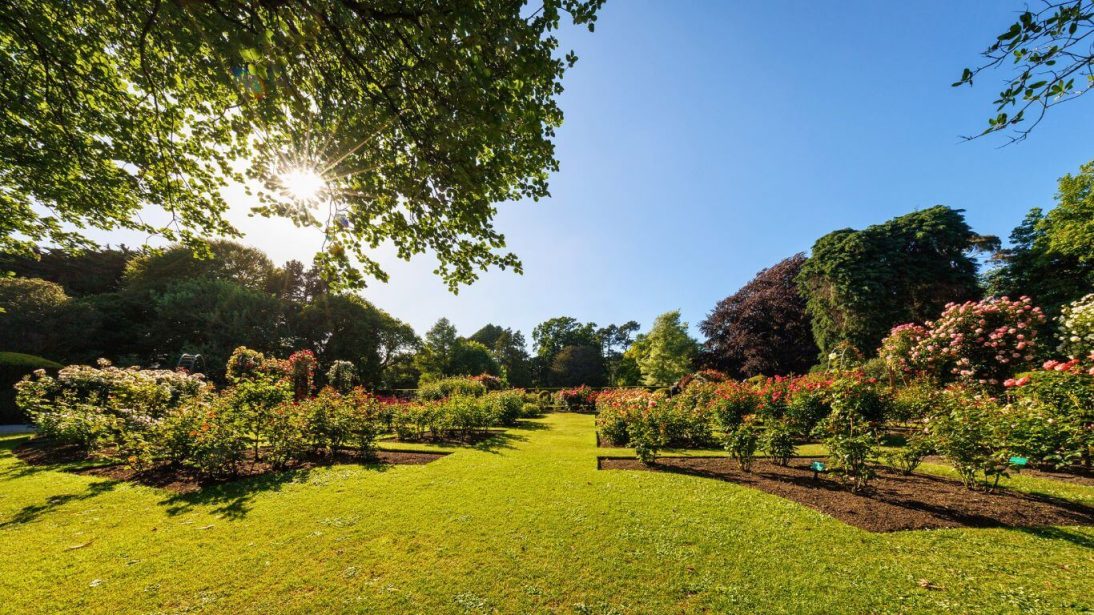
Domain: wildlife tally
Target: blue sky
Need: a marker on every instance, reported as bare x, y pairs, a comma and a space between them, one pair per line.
706, 140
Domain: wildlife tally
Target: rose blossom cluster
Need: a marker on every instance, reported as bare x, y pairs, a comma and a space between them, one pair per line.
976, 341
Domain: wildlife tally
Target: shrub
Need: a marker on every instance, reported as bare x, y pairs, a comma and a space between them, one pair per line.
578, 399
915, 400
966, 432
908, 457
742, 441
1076, 333
445, 387
733, 402
13, 367
644, 433
107, 410
243, 364
1036, 431
693, 412
898, 349
342, 375
504, 407
778, 442
981, 342
491, 382
615, 410
302, 364
807, 403
850, 431
219, 439
1062, 393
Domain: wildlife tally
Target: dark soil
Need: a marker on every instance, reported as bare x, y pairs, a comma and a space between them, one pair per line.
892, 502
182, 479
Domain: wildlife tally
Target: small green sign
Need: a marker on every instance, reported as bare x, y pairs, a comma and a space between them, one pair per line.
817, 466
1018, 461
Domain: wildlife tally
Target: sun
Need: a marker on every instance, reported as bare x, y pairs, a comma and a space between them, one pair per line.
303, 184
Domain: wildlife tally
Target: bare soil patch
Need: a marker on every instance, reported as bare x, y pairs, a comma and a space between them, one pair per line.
181, 479
893, 502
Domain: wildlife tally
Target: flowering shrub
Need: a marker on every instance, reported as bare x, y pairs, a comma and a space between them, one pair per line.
1058, 426
110, 411
445, 387
492, 383
243, 363
682, 421
302, 364
1076, 332
897, 349
916, 399
909, 456
982, 342
616, 409
578, 399
342, 375
1038, 432
733, 401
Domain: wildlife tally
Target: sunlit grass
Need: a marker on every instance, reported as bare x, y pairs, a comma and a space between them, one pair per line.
521, 524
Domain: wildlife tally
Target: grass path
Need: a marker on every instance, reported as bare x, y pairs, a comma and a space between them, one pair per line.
525, 525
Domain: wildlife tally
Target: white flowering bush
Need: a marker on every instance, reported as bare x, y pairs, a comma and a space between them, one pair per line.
1076, 332
106, 409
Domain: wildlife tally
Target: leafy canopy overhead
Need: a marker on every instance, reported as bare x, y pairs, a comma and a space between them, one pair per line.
1052, 50
409, 121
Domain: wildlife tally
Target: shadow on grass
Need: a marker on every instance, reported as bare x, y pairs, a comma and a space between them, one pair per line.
53, 502
1060, 533
234, 499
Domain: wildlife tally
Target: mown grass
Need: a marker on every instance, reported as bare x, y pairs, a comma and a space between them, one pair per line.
524, 523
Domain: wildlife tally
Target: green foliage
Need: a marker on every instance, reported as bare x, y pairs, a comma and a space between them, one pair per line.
1051, 257
446, 387
966, 430
667, 352
444, 353
504, 407
859, 284
28, 309
742, 442
850, 432
1046, 47
909, 456
578, 399
451, 109
577, 366
778, 442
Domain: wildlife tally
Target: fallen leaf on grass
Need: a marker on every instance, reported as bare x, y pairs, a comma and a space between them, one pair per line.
81, 546
925, 584
205, 527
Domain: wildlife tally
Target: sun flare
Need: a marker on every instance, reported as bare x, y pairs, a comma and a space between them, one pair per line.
303, 184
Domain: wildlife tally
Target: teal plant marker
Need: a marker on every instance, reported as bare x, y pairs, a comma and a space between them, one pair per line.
817, 466
1019, 461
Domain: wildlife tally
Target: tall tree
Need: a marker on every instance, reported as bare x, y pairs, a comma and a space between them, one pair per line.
554, 334
374, 121
763, 328
859, 284
614, 340
509, 350
1049, 47
82, 273
1051, 257
667, 352
577, 365
445, 353
348, 328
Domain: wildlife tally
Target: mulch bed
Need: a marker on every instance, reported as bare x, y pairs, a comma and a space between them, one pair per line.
470, 439
187, 480
893, 501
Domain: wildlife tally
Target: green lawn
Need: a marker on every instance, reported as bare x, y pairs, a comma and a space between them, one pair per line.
525, 525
